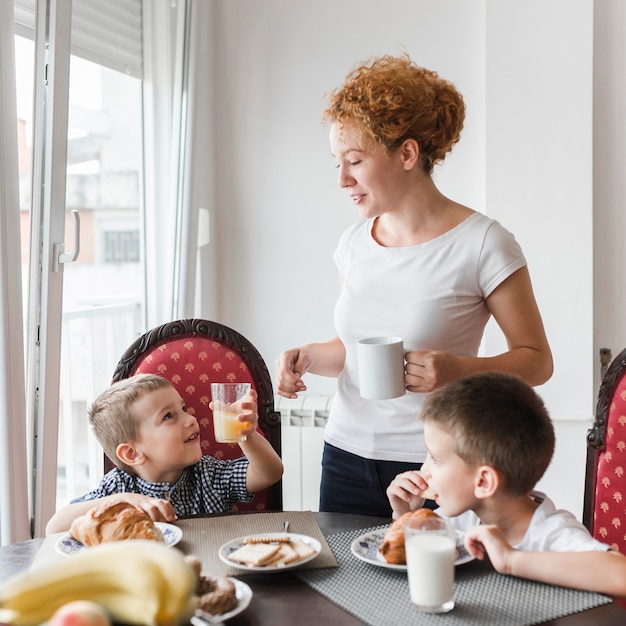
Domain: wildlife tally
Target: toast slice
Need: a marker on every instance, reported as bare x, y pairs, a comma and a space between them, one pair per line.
286, 554
303, 550
429, 493
254, 554
273, 539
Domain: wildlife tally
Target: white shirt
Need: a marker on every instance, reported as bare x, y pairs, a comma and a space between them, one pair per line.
433, 296
550, 529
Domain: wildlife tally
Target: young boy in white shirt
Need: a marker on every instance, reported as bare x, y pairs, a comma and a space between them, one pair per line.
489, 440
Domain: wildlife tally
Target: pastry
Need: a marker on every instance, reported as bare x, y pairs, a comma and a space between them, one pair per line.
114, 521
216, 594
392, 546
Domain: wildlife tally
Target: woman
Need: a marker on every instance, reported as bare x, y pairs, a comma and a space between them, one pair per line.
417, 265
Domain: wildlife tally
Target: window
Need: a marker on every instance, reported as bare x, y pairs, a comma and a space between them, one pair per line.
103, 297
85, 167
121, 246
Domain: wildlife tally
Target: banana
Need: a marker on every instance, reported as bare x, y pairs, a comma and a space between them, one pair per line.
179, 576
136, 581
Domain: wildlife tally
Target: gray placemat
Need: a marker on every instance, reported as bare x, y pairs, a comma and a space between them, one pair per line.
203, 536
380, 597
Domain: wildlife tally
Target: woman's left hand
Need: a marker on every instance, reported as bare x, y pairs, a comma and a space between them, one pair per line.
427, 370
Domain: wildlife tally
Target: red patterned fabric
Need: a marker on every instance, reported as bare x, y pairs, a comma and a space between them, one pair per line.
609, 515
191, 364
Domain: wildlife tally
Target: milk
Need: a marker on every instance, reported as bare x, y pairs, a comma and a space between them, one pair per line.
430, 566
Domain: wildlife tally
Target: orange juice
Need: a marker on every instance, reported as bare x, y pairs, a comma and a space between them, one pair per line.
226, 425
226, 402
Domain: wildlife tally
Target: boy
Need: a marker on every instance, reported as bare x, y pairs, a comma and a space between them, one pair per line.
143, 425
489, 440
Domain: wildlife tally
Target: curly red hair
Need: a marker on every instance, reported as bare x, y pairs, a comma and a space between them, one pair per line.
392, 99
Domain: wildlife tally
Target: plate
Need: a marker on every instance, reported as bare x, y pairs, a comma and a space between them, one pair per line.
365, 548
172, 535
235, 544
244, 595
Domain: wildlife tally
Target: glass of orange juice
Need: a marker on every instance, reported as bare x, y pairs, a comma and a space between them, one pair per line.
226, 407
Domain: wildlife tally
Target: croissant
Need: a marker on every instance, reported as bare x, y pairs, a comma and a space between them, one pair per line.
113, 521
392, 546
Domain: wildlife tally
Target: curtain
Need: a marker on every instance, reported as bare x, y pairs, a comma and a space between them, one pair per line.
14, 514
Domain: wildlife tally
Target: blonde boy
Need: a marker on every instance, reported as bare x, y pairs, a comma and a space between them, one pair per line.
143, 426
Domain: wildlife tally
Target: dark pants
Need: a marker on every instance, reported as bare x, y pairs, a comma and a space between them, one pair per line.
352, 484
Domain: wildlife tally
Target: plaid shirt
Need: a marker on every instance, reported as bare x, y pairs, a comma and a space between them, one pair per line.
209, 486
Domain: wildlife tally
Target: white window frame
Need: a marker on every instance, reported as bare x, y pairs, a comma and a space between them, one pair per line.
14, 517
164, 125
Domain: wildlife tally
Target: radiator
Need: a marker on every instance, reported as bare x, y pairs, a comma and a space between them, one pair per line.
302, 428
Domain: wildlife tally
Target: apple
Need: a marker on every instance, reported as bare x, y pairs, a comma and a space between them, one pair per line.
80, 613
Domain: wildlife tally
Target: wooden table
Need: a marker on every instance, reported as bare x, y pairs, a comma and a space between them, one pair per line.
284, 600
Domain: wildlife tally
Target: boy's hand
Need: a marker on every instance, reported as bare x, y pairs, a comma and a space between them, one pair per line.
405, 492
158, 509
489, 540
249, 413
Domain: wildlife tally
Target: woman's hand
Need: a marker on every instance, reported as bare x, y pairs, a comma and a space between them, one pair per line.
290, 366
427, 370
323, 359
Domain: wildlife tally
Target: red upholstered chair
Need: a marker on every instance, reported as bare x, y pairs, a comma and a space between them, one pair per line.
604, 510
191, 354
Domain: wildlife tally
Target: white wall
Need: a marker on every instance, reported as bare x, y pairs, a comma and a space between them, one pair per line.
609, 182
526, 157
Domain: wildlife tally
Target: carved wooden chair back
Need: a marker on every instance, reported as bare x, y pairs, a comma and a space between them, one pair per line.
604, 509
192, 353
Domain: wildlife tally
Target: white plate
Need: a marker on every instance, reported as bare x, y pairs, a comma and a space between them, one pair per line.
244, 595
235, 544
172, 535
365, 548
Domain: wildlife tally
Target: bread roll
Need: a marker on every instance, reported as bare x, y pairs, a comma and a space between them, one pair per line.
114, 521
216, 594
392, 546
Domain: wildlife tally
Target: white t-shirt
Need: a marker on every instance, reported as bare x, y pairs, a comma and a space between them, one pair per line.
550, 529
433, 296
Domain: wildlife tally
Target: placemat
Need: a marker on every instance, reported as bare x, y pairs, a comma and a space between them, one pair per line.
203, 536
47, 553
380, 596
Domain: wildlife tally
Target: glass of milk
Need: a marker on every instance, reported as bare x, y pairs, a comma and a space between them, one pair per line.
430, 554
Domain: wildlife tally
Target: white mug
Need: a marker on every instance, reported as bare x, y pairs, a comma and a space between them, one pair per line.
381, 368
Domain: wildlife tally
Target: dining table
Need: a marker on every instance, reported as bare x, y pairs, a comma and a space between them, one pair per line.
339, 588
